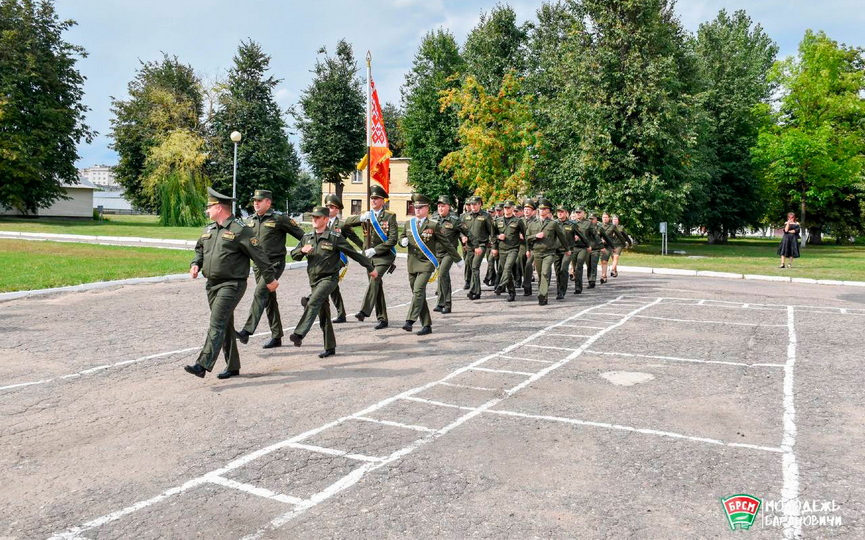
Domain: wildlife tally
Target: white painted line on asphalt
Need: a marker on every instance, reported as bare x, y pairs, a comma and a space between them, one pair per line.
469, 387
605, 425
568, 335
527, 359
781, 307
550, 348
710, 322
790, 468
334, 452
676, 359
254, 490
438, 403
503, 371
393, 424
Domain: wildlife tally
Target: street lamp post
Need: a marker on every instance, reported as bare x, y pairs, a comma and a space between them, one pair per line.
235, 138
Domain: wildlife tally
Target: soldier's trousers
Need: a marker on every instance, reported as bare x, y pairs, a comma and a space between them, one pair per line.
444, 290
265, 300
528, 272
468, 256
519, 266
578, 260
544, 267
374, 297
318, 306
223, 298
510, 264
419, 310
477, 260
336, 296
492, 268
560, 267
594, 257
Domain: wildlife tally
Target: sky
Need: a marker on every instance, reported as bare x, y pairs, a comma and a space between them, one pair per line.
120, 34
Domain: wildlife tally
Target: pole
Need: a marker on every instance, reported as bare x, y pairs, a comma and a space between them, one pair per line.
368, 140
234, 185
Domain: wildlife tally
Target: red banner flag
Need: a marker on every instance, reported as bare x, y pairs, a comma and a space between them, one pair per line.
379, 151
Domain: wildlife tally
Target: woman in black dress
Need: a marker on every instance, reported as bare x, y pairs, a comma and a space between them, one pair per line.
789, 248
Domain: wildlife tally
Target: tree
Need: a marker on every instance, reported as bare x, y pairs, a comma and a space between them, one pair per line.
814, 149
498, 139
626, 126
496, 46
430, 133
175, 179
331, 120
163, 96
266, 159
41, 114
734, 57
306, 193
392, 116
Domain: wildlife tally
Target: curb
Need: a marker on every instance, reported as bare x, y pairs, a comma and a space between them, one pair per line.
731, 275
96, 239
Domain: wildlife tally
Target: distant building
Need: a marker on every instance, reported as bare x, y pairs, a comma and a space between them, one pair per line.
354, 191
79, 204
113, 202
100, 175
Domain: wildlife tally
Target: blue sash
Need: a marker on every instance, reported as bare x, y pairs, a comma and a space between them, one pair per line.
378, 230
423, 247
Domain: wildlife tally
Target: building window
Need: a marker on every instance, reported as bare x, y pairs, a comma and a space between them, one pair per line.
409, 208
355, 206
357, 177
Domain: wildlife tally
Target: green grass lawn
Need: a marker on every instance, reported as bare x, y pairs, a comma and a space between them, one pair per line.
753, 256
25, 264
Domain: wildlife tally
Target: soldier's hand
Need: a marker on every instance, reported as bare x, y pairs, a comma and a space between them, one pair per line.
540, 235
501, 237
478, 251
364, 216
528, 254
369, 252
588, 249
193, 271
567, 254
403, 242
373, 274
495, 253
306, 250
273, 285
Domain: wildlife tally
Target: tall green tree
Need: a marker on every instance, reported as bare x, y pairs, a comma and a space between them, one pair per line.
331, 119
734, 57
392, 116
41, 114
629, 94
814, 149
498, 138
306, 193
175, 178
266, 159
164, 96
496, 46
430, 132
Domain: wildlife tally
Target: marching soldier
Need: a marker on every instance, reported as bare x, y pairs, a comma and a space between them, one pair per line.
271, 228
582, 248
542, 237
335, 223
322, 248
477, 225
520, 264
621, 241
599, 240
423, 237
451, 228
510, 232
609, 231
530, 207
562, 262
494, 272
380, 233
222, 255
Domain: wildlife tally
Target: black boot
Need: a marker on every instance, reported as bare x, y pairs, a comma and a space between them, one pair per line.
274, 342
326, 353
196, 370
242, 336
407, 326
296, 339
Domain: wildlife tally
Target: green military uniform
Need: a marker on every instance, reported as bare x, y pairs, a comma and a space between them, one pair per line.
478, 227
562, 259
598, 241
271, 229
450, 226
528, 260
222, 254
383, 257
544, 249
609, 231
323, 265
582, 250
336, 224
433, 239
494, 267
509, 236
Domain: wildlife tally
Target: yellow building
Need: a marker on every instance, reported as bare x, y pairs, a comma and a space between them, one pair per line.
354, 191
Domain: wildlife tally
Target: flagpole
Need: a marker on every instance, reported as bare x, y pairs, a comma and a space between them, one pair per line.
368, 141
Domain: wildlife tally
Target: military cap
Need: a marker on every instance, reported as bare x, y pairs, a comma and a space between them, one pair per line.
334, 200
580, 209
320, 211
475, 200
419, 199
562, 208
377, 191
262, 194
499, 206
545, 203
215, 197
531, 203
593, 215
508, 204
444, 199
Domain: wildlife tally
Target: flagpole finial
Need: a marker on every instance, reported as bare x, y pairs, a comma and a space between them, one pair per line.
368, 57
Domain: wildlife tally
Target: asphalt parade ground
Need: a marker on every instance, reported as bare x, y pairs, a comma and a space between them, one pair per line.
629, 411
